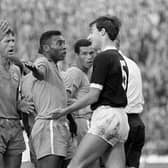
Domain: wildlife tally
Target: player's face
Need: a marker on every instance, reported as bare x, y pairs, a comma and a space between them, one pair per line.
86, 56
8, 46
57, 48
95, 37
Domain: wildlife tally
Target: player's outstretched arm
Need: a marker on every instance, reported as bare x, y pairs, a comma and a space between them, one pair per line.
38, 72
86, 100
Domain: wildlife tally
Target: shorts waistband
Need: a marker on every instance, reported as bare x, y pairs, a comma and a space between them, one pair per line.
3, 118
108, 107
50, 118
133, 114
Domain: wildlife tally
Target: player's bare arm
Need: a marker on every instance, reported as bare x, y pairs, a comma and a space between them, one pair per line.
88, 99
38, 72
25, 106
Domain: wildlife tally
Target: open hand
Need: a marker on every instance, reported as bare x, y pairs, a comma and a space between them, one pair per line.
26, 106
71, 101
58, 114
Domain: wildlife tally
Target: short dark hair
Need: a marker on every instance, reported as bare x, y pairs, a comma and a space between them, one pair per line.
46, 36
81, 43
111, 24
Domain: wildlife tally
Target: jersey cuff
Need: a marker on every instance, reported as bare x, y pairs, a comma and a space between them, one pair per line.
97, 86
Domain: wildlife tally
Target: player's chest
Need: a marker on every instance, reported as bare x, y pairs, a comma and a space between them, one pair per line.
8, 83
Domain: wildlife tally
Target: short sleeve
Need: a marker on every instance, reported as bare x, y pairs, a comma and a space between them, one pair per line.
42, 63
67, 81
100, 71
72, 79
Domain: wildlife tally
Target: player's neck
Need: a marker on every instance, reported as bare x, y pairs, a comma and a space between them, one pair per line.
107, 44
4, 62
49, 58
81, 67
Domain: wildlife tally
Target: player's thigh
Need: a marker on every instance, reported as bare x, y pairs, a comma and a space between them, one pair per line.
136, 138
115, 157
13, 161
82, 128
16, 144
51, 161
133, 157
137, 132
65, 163
140, 138
1, 161
134, 145
90, 149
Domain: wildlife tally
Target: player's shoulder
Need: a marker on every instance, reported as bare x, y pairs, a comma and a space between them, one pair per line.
111, 54
74, 73
133, 68
40, 59
129, 61
103, 57
15, 72
74, 70
132, 63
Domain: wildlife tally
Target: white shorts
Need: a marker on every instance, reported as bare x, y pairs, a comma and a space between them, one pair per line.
110, 124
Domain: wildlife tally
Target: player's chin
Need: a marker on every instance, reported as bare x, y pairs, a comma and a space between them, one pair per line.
89, 64
11, 53
62, 56
95, 45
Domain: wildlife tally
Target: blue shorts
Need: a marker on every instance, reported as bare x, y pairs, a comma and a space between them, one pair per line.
50, 137
11, 137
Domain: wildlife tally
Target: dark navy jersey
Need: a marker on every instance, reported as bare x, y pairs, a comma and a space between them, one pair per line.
110, 74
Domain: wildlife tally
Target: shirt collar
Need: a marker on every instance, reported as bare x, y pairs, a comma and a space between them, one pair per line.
109, 48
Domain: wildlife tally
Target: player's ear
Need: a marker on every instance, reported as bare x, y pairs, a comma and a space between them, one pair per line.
76, 55
46, 48
103, 31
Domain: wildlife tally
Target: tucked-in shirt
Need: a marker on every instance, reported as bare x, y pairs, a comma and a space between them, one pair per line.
9, 82
77, 84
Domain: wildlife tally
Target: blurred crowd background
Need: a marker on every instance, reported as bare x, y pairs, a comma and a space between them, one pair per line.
144, 38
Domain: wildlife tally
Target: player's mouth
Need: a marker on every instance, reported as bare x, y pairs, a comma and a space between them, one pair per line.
90, 62
11, 52
64, 52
